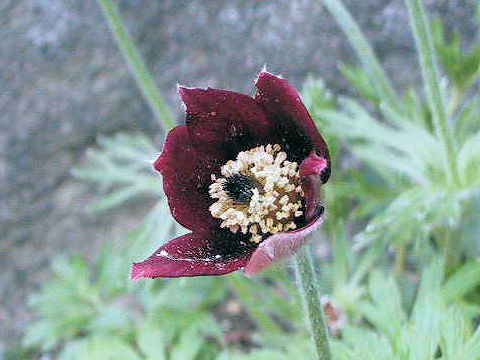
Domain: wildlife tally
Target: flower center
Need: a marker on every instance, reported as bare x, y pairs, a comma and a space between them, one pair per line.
260, 193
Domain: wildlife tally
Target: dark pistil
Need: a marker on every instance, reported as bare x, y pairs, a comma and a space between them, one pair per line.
239, 187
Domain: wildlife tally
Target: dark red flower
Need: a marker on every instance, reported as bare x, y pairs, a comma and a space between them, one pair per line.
244, 176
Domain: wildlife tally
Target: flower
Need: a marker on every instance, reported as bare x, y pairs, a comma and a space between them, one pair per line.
244, 175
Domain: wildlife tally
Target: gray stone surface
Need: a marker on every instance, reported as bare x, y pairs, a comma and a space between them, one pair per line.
63, 83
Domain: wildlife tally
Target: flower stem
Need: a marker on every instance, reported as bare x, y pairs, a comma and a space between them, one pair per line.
309, 291
423, 39
137, 66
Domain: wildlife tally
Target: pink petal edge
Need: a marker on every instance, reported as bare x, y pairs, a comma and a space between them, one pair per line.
312, 172
313, 165
278, 246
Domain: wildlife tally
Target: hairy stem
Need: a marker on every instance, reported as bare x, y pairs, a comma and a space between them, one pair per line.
310, 294
423, 39
137, 66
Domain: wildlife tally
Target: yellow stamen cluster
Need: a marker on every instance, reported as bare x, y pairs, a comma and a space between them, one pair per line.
276, 198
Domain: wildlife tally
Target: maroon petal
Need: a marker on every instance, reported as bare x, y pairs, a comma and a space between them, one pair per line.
280, 245
188, 255
293, 122
186, 178
312, 173
223, 123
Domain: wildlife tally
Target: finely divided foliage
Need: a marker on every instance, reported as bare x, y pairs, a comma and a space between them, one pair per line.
434, 329
391, 194
398, 142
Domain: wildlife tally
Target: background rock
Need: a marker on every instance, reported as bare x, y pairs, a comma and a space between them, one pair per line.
63, 83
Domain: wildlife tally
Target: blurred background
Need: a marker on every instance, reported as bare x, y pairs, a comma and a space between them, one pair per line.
70, 107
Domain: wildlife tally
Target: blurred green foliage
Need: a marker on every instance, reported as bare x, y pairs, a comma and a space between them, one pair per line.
433, 329
415, 235
461, 66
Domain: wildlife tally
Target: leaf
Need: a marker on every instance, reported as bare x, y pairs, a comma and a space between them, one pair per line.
454, 332
189, 344
201, 292
364, 344
469, 160
99, 348
415, 110
340, 256
41, 334
472, 346
385, 311
251, 298
360, 80
430, 330
405, 148
66, 305
467, 121
464, 280
112, 199
112, 320
317, 97
298, 348
461, 66
363, 50
152, 342
262, 354
122, 165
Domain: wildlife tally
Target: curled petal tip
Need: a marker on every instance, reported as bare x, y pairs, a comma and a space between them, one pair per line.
182, 91
313, 165
264, 256
266, 75
158, 163
189, 93
280, 245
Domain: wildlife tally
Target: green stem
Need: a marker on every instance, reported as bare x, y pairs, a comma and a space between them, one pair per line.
364, 52
423, 40
137, 66
309, 291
